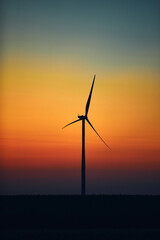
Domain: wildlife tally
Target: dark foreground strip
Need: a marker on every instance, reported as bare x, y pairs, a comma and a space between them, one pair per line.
116, 212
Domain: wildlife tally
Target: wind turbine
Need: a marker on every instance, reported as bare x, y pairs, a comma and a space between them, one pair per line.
83, 118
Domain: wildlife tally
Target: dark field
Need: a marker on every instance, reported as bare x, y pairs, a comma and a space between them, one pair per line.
76, 217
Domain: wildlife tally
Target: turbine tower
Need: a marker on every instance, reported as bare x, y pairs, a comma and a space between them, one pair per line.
84, 118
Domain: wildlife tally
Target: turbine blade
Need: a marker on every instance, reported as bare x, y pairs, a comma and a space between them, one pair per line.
72, 123
89, 98
98, 134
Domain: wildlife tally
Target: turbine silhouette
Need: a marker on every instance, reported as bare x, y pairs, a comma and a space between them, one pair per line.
83, 118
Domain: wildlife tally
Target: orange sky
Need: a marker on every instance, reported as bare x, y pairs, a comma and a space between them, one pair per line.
124, 110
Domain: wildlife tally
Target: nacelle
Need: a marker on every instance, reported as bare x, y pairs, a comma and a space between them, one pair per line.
81, 117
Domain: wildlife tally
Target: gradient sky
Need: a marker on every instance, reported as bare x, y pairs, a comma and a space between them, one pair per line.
50, 52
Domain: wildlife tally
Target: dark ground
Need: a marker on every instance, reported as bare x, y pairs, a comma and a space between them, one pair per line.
76, 217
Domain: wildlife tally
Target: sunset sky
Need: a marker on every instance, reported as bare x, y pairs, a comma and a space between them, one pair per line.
50, 53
